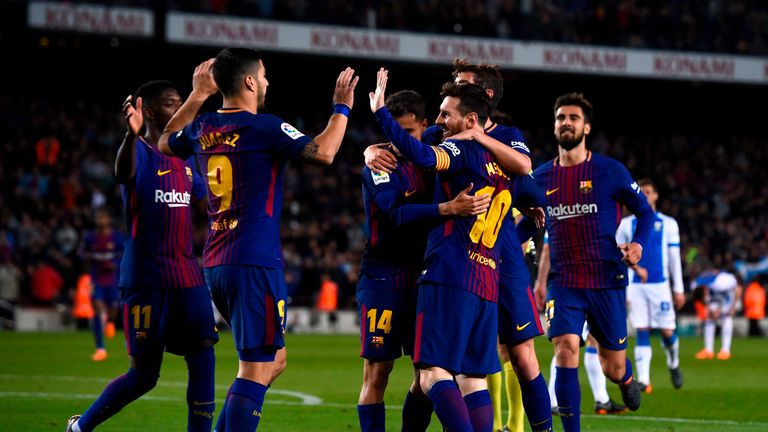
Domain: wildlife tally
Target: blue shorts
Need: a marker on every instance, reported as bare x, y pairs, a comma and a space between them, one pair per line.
455, 330
605, 310
109, 294
175, 320
518, 315
387, 318
252, 300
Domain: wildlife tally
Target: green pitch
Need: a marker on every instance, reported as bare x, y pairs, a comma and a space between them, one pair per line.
45, 378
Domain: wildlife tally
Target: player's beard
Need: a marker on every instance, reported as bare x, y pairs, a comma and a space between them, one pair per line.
569, 143
261, 98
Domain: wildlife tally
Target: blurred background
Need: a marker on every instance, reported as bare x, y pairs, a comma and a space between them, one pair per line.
679, 90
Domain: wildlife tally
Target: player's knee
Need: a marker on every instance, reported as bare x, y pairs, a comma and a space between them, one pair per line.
524, 362
145, 381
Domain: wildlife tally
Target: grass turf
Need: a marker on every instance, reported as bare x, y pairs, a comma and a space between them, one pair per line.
46, 377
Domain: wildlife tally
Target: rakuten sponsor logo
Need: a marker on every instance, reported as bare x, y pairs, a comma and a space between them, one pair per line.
172, 198
571, 211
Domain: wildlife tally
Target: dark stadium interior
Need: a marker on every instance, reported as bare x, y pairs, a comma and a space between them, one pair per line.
703, 143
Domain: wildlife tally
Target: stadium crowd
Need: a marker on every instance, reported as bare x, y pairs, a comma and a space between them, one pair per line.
57, 169
739, 26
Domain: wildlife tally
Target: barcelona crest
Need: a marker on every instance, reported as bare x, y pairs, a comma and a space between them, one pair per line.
188, 170
585, 186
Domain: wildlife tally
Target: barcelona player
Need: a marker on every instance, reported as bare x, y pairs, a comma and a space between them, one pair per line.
651, 304
584, 194
244, 152
166, 305
399, 213
456, 316
102, 250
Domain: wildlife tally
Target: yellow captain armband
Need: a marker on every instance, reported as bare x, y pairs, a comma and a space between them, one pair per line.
442, 160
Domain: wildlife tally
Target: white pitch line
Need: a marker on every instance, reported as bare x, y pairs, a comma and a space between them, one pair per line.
304, 399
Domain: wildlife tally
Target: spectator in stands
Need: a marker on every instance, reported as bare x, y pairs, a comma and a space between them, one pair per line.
754, 307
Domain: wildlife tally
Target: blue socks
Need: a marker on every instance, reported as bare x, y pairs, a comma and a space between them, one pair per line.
480, 410
244, 405
449, 406
627, 373
537, 404
98, 331
221, 423
669, 341
417, 413
200, 390
569, 398
643, 338
372, 417
119, 393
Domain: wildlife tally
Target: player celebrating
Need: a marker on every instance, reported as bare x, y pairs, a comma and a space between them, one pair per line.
721, 289
649, 296
102, 249
166, 303
244, 153
603, 403
399, 213
456, 311
584, 192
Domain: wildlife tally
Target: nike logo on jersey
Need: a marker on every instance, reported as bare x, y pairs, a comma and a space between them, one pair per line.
622, 340
522, 327
550, 192
162, 173
409, 193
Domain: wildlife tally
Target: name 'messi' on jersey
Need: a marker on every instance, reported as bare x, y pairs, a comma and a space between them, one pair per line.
173, 198
571, 211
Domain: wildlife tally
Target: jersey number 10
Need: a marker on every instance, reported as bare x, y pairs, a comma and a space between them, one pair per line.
488, 224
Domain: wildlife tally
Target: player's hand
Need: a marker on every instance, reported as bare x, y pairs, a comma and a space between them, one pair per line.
679, 300
379, 159
540, 294
344, 93
202, 80
470, 134
134, 117
536, 214
641, 272
377, 97
470, 205
632, 253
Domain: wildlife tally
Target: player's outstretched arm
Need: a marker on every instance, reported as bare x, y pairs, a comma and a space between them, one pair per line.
512, 160
125, 162
203, 86
324, 147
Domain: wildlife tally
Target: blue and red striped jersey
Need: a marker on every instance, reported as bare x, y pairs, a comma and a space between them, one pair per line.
462, 252
103, 252
583, 211
399, 212
158, 253
244, 155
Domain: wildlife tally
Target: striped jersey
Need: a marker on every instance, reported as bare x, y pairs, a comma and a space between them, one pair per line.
103, 252
399, 212
157, 200
462, 252
583, 210
244, 156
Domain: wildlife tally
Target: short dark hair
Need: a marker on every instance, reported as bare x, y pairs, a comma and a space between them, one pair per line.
407, 102
577, 99
231, 66
472, 98
487, 76
647, 182
151, 90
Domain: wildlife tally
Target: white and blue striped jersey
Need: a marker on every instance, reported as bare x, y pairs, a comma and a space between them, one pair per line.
661, 255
